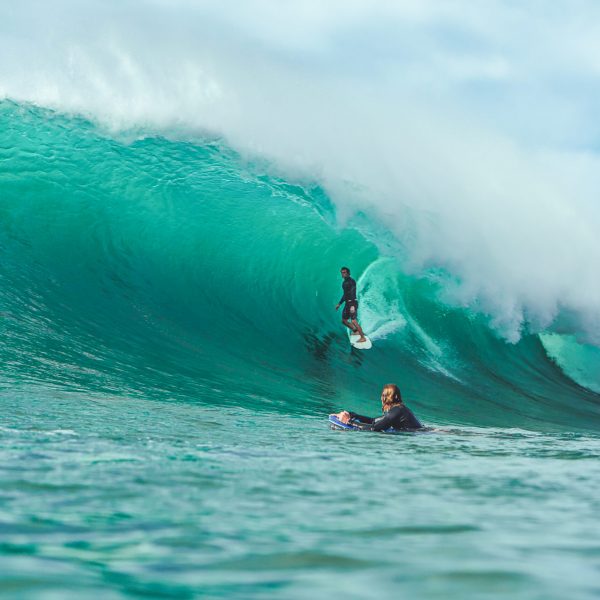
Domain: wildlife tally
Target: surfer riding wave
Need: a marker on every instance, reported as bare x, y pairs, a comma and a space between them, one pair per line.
350, 312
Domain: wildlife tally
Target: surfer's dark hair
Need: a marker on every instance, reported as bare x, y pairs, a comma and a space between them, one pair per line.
390, 395
345, 269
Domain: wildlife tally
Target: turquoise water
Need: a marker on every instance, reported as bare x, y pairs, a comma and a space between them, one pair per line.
170, 354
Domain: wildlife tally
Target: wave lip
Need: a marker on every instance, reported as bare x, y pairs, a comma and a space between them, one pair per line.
581, 362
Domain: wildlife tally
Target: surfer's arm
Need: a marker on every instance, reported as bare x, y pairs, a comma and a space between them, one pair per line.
370, 424
397, 418
361, 418
383, 423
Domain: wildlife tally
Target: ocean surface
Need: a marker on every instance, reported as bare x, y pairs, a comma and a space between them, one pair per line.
170, 353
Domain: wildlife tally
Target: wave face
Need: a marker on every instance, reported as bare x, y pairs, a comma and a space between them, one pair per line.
147, 267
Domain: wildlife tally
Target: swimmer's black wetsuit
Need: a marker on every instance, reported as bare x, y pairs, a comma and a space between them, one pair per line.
399, 418
349, 297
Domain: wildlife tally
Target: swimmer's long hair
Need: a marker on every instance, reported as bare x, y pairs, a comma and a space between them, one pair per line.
390, 395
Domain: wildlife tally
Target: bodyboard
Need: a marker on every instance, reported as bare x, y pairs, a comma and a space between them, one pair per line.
335, 423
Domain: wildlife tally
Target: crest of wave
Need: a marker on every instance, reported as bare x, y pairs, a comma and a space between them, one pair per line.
465, 131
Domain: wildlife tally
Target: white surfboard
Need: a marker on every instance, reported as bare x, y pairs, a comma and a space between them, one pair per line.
360, 345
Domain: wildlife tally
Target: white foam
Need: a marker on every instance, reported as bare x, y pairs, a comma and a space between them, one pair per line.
466, 129
381, 314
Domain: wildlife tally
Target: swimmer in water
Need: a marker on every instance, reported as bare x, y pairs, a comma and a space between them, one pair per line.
396, 415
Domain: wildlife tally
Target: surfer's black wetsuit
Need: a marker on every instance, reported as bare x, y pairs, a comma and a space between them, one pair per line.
399, 418
349, 297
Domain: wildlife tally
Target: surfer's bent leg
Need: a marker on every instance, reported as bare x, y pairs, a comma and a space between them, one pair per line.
359, 330
349, 325
346, 317
353, 314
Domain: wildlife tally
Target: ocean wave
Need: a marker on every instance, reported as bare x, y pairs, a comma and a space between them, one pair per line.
168, 269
